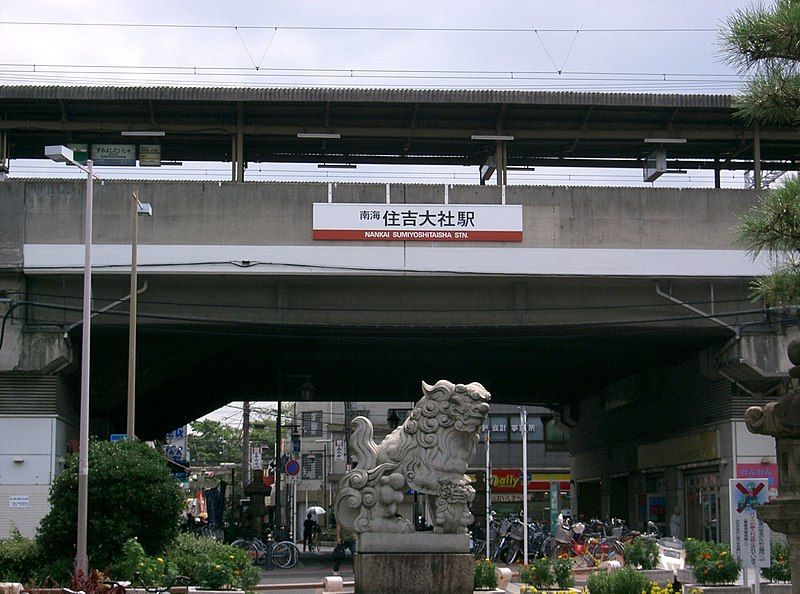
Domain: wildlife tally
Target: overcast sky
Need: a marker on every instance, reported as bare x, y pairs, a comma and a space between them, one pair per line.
507, 37
608, 45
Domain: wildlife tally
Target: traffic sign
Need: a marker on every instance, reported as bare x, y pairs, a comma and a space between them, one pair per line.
292, 468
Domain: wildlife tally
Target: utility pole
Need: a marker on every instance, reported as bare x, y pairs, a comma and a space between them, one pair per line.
278, 462
245, 444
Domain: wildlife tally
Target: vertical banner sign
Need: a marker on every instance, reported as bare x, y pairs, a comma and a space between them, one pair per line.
417, 222
338, 450
750, 536
256, 462
553, 507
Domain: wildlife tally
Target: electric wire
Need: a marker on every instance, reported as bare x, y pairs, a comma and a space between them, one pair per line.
129, 25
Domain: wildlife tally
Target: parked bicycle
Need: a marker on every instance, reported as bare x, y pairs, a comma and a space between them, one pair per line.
282, 554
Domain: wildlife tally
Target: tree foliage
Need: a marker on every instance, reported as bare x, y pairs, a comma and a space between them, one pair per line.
131, 494
213, 442
764, 41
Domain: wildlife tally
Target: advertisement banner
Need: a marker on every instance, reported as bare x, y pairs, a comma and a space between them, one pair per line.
750, 536
417, 222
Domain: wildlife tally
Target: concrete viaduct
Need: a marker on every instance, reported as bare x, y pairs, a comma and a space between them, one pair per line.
238, 301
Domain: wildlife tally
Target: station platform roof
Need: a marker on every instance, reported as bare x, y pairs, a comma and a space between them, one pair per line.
396, 126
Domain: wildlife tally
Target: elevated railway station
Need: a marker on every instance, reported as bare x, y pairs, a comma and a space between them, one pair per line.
624, 310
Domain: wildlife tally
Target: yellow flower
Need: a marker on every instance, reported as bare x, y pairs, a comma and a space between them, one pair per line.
218, 567
159, 559
230, 557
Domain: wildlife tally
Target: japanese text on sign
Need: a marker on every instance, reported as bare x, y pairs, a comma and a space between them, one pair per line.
406, 222
750, 536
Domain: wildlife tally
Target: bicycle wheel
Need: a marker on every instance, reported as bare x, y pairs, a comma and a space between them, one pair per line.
284, 555
248, 547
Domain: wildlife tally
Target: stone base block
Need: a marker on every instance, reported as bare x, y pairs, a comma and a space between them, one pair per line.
414, 573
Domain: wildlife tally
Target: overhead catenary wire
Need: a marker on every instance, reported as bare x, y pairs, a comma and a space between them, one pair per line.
130, 25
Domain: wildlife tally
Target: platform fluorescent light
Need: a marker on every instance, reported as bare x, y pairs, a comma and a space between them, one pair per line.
335, 166
143, 133
491, 137
318, 135
665, 140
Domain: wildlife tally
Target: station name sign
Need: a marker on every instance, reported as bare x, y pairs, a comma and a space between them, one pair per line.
417, 222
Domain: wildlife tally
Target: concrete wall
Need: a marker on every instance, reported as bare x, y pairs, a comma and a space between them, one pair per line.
42, 212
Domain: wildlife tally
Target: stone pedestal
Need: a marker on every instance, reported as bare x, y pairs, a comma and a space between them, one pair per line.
417, 563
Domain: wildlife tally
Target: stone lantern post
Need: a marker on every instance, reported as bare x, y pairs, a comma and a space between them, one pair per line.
781, 419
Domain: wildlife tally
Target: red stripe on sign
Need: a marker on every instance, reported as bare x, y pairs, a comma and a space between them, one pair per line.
415, 235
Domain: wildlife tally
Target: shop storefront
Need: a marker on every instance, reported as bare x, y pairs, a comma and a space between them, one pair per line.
507, 492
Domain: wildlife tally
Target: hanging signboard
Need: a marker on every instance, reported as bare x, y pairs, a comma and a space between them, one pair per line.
338, 450
120, 155
149, 155
750, 536
417, 222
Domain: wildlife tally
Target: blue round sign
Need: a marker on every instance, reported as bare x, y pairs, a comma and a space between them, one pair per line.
292, 468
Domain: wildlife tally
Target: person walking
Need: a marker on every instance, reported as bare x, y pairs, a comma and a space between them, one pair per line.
676, 524
345, 539
309, 530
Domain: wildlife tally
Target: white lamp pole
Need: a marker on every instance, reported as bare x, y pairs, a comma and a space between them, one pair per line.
139, 209
63, 154
523, 417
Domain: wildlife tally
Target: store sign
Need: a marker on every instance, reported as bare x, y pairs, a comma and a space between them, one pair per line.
338, 450
121, 155
760, 471
255, 459
417, 222
750, 536
176, 445
509, 480
18, 501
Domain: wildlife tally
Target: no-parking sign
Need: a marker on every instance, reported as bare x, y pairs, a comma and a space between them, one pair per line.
750, 536
292, 470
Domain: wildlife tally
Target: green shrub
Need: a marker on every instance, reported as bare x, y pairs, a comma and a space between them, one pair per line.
211, 564
779, 570
19, 559
538, 574
623, 581
153, 571
485, 576
565, 577
715, 565
642, 552
543, 573
131, 494
694, 548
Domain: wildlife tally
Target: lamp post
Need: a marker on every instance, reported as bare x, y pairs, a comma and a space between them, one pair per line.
62, 154
139, 209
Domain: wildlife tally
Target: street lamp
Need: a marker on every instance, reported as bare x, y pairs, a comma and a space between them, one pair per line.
62, 154
139, 209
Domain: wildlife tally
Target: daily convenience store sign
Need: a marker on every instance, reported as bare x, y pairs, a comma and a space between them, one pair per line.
417, 222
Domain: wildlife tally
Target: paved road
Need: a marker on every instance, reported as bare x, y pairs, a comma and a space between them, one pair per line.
311, 569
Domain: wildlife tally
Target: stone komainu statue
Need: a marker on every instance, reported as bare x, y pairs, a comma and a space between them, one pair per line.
429, 453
